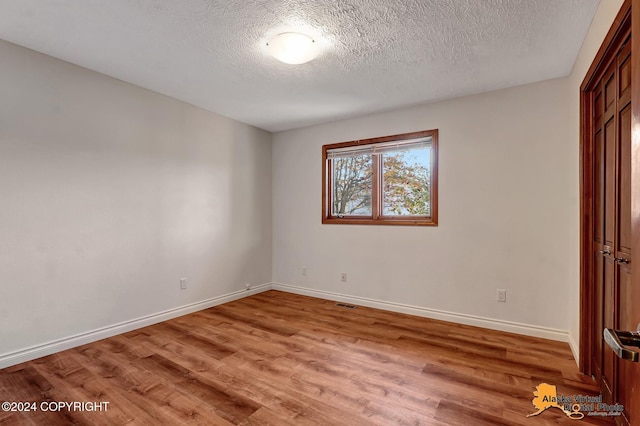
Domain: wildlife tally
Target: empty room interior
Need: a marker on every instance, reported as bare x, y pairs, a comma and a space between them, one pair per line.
319, 213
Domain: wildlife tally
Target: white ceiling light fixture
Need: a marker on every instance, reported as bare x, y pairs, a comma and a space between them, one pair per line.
293, 48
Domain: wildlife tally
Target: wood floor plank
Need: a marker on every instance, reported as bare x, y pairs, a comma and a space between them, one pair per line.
283, 359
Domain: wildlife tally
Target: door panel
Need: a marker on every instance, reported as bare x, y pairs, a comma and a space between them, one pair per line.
598, 191
610, 91
598, 184
625, 73
626, 323
624, 183
609, 358
598, 350
609, 181
598, 105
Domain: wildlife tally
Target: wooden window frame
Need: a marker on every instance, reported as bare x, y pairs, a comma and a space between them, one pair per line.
377, 218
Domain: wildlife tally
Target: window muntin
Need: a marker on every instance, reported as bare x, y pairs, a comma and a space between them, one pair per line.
389, 181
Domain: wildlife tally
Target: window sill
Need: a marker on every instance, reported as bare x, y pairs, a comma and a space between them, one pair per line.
427, 221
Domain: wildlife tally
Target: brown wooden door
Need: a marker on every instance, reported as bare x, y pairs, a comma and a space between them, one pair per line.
611, 210
627, 311
611, 226
629, 388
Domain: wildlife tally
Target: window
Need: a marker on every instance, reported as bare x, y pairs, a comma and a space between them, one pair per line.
392, 180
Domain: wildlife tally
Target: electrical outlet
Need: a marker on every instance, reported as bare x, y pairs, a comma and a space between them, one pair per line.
304, 271
501, 295
183, 283
343, 277
247, 287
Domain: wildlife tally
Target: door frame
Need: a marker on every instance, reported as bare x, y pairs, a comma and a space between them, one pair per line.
621, 25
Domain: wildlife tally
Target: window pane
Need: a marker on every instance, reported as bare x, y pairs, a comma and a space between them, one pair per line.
406, 183
352, 185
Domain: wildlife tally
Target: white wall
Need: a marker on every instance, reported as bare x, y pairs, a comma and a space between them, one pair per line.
507, 172
607, 11
109, 194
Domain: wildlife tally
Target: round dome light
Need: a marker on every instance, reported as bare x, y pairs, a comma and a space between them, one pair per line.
292, 48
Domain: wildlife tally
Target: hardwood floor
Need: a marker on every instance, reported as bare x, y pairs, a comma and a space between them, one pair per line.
282, 359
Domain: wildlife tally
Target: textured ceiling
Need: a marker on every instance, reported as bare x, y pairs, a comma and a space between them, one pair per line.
376, 54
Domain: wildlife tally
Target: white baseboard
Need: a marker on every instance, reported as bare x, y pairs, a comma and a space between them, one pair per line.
33, 352
575, 348
28, 354
492, 324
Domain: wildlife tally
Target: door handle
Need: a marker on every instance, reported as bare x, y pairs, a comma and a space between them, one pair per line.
605, 252
621, 260
617, 340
